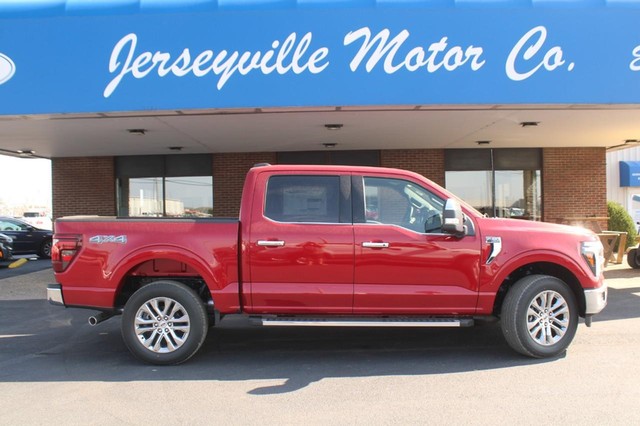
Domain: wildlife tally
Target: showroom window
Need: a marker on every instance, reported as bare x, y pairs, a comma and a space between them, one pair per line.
165, 186
497, 182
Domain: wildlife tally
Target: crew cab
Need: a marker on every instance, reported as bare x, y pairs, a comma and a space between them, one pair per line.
330, 246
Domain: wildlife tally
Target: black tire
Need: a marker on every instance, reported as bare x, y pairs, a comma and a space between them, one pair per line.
169, 339
523, 318
45, 249
633, 259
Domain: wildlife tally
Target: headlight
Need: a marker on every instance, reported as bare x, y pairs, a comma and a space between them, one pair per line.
593, 254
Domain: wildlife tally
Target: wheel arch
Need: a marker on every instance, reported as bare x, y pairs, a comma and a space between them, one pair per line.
166, 263
540, 268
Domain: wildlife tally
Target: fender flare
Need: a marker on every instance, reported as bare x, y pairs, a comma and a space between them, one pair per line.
536, 256
489, 291
204, 267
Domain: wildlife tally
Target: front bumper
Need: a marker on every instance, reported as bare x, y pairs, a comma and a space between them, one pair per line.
54, 294
596, 299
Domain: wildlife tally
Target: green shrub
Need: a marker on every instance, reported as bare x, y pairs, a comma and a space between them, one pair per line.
621, 221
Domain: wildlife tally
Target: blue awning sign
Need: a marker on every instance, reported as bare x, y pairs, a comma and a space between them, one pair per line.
629, 173
211, 56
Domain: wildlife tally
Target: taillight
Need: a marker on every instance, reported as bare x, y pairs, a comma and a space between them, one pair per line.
65, 248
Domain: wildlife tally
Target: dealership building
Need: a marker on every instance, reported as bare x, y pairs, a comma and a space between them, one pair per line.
159, 107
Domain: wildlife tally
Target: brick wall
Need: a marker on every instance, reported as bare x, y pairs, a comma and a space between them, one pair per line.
83, 186
574, 180
427, 162
229, 171
574, 183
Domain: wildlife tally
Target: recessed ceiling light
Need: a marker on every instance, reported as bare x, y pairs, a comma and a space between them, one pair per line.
529, 123
483, 142
137, 132
335, 126
329, 145
176, 148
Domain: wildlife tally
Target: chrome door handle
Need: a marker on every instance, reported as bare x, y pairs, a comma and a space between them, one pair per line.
371, 244
270, 243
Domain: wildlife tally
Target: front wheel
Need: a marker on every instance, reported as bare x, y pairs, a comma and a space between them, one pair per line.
164, 323
633, 258
539, 316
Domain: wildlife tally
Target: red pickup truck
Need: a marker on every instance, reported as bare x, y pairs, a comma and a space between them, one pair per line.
330, 246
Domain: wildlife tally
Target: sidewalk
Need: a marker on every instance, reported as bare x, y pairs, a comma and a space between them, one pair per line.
622, 276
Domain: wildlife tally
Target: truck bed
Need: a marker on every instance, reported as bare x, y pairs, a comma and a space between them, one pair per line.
112, 248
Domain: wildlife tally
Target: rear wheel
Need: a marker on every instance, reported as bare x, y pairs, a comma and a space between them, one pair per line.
45, 249
164, 322
539, 316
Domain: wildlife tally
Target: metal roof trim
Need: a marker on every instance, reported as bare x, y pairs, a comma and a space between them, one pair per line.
48, 8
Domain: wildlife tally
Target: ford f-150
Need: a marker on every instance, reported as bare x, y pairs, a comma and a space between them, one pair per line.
332, 246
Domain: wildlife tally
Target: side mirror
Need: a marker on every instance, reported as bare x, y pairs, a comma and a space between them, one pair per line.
453, 219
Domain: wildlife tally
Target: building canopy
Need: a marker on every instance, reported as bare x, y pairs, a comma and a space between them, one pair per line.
87, 56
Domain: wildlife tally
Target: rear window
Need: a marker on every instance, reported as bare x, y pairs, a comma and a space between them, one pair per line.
303, 199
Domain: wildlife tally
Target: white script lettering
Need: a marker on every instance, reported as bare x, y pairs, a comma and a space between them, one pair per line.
635, 64
438, 55
552, 59
292, 55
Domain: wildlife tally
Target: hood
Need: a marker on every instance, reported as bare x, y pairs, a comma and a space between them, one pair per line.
526, 229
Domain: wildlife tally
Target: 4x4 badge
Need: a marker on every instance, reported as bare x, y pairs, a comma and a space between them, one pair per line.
101, 239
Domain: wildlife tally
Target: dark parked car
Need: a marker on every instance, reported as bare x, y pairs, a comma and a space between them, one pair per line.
26, 238
6, 252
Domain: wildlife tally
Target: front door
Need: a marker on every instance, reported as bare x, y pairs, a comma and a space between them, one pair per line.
404, 263
300, 248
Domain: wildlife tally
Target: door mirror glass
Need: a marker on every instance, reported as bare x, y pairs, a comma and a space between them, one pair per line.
453, 219
433, 221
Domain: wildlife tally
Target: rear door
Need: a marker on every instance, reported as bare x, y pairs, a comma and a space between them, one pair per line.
300, 247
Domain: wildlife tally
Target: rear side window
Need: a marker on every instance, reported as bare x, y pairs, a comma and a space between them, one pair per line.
303, 199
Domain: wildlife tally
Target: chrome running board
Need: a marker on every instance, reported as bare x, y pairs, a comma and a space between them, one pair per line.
361, 322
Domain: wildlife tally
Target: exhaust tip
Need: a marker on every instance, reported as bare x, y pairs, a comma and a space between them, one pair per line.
98, 318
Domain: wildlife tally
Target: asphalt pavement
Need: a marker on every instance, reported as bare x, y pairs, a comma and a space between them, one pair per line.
56, 369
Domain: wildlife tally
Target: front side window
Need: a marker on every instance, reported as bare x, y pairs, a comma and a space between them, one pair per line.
303, 199
402, 203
